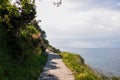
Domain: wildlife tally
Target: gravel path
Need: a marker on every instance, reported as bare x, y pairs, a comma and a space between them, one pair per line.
55, 69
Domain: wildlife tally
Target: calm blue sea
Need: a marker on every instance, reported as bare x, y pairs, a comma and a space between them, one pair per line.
103, 60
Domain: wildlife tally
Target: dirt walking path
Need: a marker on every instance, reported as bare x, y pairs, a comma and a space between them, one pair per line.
55, 69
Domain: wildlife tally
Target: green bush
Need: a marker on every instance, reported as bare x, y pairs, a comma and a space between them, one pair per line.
21, 56
28, 31
28, 70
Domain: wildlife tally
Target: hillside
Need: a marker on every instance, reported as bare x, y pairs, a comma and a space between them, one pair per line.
22, 41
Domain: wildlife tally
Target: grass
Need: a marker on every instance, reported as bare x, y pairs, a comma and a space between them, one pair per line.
15, 70
76, 64
80, 70
21, 46
26, 66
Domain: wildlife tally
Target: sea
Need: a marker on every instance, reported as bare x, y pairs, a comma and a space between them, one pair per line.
103, 60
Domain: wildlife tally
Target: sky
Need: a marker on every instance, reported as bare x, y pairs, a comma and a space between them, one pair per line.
81, 23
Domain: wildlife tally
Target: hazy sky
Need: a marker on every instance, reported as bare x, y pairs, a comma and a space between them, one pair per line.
81, 23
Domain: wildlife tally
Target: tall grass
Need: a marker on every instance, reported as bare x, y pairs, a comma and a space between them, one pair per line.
82, 71
76, 64
15, 70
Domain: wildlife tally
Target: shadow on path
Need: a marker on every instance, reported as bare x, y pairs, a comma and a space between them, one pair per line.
50, 65
55, 69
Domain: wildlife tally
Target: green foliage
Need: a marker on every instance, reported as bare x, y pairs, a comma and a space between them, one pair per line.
13, 22
53, 49
78, 67
15, 70
28, 12
82, 71
29, 31
28, 8
21, 46
12, 11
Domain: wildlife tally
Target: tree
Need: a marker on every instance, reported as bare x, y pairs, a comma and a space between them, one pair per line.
12, 20
19, 25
